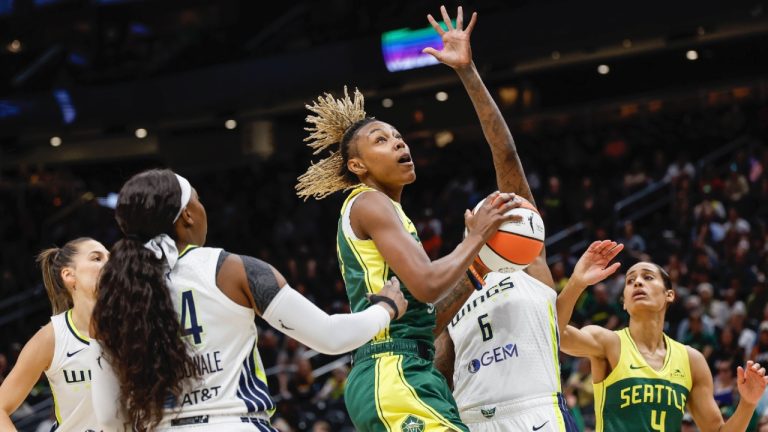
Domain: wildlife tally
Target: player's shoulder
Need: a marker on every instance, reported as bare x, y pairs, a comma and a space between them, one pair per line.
373, 207
603, 335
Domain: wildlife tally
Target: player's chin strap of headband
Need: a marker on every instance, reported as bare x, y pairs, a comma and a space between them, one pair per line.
163, 245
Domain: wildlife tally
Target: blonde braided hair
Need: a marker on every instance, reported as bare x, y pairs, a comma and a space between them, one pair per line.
333, 119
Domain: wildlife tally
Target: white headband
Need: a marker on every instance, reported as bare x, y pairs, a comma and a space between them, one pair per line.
162, 244
186, 194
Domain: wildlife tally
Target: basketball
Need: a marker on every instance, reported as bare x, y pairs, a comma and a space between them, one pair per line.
517, 243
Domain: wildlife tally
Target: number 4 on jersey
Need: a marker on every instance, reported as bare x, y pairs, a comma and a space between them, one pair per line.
189, 317
658, 421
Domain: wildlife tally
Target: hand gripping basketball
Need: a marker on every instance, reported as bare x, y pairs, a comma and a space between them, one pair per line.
517, 241
489, 216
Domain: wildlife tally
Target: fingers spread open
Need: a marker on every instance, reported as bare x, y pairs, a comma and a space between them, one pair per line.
446, 18
435, 25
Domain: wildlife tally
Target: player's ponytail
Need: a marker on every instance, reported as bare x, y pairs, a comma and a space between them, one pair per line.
51, 262
134, 317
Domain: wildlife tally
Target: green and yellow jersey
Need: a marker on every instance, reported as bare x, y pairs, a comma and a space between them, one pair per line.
365, 271
392, 387
636, 397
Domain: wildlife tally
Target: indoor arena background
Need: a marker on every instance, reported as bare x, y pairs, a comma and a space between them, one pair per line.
645, 122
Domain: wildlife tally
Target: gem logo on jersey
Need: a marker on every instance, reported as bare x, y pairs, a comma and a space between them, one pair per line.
488, 413
496, 355
412, 424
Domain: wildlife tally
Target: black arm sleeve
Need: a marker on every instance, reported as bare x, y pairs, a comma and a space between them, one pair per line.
261, 279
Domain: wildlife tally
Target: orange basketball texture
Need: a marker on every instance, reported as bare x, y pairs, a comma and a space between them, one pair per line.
517, 243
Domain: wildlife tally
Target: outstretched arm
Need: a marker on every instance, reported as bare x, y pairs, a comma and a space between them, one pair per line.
457, 53
265, 290
510, 176
751, 382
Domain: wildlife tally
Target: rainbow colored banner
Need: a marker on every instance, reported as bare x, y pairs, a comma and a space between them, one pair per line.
402, 48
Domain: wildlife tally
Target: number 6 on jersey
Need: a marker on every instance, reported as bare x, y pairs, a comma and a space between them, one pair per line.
485, 327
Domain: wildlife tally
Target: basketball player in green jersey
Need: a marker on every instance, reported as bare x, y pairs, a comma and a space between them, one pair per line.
644, 380
393, 385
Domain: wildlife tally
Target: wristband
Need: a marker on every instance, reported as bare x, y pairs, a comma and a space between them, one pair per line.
373, 298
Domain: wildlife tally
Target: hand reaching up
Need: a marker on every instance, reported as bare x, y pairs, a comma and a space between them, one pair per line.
456, 52
593, 266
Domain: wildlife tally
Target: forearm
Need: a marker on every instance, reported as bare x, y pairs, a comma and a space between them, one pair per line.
740, 418
445, 356
566, 301
294, 315
5, 421
444, 273
510, 176
447, 307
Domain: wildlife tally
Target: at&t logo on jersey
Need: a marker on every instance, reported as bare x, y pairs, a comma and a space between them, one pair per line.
496, 355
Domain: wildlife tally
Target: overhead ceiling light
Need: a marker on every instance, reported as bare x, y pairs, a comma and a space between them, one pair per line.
141, 133
55, 141
692, 55
443, 138
626, 43
441, 96
387, 103
555, 55
230, 124
603, 69
14, 46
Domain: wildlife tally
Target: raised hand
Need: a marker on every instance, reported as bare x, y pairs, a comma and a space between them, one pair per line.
751, 382
593, 266
456, 52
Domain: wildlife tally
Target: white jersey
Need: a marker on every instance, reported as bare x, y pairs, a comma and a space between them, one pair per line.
506, 343
70, 377
223, 336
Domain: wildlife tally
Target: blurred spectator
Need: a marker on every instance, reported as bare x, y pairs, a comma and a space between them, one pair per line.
559, 276
430, 230
579, 384
693, 308
698, 338
603, 311
711, 306
635, 178
757, 303
321, 426
735, 222
634, 244
553, 205
736, 186
681, 166
746, 336
333, 389
724, 383
760, 350
728, 347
